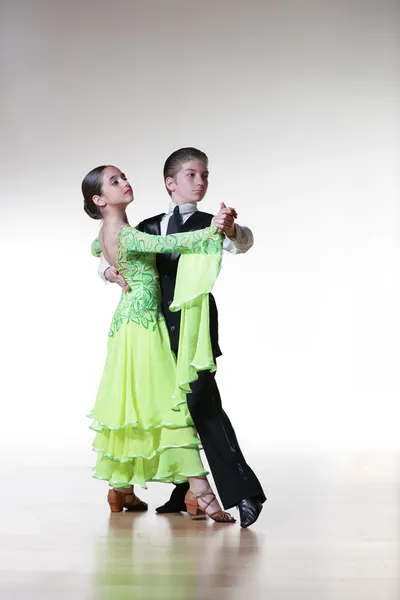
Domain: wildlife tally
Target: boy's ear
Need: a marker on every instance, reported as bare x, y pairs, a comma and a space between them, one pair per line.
170, 183
99, 201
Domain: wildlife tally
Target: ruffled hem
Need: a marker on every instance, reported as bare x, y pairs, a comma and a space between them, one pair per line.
173, 465
98, 425
131, 442
176, 479
158, 452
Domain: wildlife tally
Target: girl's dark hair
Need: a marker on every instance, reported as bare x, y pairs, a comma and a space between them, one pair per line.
175, 161
92, 185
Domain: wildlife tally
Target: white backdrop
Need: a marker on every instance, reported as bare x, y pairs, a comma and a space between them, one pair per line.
296, 105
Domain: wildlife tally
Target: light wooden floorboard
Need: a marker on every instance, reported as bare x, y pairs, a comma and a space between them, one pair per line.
329, 531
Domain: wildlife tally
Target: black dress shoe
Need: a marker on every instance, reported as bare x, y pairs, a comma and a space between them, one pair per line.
176, 503
249, 510
171, 507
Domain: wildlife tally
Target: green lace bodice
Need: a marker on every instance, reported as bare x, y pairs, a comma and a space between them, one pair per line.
136, 262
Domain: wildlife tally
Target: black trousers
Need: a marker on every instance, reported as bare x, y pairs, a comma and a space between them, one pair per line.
233, 477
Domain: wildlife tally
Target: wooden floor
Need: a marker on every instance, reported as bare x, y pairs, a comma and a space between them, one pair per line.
329, 530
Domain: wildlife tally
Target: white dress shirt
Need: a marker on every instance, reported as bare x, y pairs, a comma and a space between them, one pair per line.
242, 242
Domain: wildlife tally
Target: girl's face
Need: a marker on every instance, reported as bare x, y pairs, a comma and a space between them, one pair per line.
116, 189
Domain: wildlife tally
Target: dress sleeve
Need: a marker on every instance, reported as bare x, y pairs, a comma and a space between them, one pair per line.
202, 241
95, 248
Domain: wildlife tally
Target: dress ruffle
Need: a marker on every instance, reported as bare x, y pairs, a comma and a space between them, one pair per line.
192, 299
131, 456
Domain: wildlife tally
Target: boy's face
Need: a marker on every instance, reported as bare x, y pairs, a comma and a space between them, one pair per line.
190, 183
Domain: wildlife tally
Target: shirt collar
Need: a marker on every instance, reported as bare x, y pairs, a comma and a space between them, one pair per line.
184, 209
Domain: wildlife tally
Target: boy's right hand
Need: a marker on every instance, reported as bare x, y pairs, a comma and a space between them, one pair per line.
112, 275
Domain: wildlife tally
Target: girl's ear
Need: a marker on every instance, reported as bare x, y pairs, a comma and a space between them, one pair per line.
170, 183
99, 201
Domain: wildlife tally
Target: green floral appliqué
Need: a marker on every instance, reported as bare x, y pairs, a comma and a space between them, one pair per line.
137, 264
142, 304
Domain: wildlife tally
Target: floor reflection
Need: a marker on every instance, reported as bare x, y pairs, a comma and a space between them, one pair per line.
160, 557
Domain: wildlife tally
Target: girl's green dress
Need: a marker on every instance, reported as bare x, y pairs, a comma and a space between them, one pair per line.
144, 431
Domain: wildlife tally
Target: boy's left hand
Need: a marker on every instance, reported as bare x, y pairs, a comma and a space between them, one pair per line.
225, 220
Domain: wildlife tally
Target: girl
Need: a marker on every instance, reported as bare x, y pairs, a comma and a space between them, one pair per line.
144, 431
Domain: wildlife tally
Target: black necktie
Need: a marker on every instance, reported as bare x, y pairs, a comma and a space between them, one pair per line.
175, 221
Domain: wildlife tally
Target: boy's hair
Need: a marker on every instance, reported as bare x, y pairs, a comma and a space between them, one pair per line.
175, 161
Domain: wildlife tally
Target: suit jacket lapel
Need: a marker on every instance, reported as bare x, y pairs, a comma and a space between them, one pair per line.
198, 220
153, 225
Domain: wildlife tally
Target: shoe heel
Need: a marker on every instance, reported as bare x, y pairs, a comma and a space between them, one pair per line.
193, 510
192, 506
116, 501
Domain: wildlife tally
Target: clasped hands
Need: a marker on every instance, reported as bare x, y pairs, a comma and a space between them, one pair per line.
225, 220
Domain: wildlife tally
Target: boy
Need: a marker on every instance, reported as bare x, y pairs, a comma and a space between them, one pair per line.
186, 181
